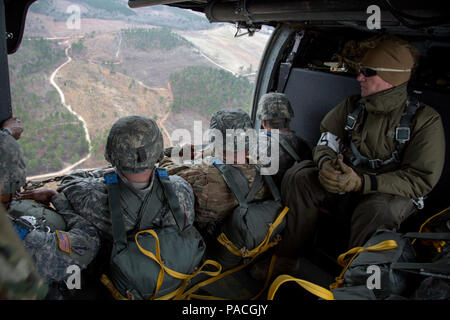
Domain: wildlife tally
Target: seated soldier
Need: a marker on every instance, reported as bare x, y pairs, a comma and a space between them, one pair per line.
54, 239
134, 147
18, 277
275, 111
380, 152
213, 199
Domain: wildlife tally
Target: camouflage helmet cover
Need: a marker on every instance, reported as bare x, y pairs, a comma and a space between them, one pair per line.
12, 165
134, 144
230, 119
274, 105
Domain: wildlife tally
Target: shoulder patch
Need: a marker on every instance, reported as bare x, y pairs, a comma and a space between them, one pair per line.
63, 241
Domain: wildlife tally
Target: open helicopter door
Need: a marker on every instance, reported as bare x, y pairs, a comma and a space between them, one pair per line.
5, 93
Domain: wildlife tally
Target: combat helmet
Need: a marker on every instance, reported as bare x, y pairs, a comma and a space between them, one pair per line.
224, 120
12, 165
134, 144
274, 105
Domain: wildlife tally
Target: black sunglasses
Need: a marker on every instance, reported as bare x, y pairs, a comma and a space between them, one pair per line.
367, 72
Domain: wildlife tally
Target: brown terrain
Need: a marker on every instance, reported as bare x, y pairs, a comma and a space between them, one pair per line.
106, 81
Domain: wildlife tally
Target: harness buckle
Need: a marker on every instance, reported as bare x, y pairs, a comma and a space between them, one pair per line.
351, 122
375, 163
396, 156
402, 134
419, 203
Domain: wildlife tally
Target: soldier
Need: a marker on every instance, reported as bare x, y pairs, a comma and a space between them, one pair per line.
18, 276
275, 112
54, 239
213, 199
133, 148
378, 152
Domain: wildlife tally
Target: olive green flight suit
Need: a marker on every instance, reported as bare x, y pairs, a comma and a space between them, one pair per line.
385, 199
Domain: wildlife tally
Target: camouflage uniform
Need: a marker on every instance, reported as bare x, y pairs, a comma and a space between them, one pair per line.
213, 199
54, 252
18, 276
134, 145
272, 106
75, 243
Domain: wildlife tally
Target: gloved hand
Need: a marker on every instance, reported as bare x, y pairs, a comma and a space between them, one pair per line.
336, 177
329, 176
353, 182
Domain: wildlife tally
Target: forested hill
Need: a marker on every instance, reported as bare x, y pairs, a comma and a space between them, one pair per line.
206, 90
155, 38
119, 10
52, 135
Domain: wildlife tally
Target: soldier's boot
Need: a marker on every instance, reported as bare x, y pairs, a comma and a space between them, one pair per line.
283, 265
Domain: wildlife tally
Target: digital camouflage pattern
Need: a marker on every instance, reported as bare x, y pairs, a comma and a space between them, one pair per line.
87, 193
285, 161
230, 119
134, 144
12, 165
214, 201
274, 105
18, 276
43, 247
47, 250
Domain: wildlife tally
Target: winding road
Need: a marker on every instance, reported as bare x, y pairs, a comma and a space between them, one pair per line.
68, 107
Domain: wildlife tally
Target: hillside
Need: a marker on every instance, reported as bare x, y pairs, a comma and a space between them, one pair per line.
118, 10
206, 90
53, 136
115, 69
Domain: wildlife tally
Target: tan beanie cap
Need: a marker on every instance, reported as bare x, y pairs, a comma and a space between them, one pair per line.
390, 55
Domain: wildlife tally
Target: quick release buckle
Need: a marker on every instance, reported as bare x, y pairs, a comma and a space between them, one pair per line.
402, 134
351, 122
396, 156
375, 163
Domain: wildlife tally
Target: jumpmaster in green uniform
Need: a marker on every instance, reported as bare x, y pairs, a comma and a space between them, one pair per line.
393, 143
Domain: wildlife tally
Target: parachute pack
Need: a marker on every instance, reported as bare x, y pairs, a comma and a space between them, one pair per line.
151, 263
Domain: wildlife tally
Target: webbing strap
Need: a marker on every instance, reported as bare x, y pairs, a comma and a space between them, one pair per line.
164, 269
438, 243
118, 227
157, 258
229, 178
402, 134
286, 146
309, 286
174, 204
256, 185
273, 188
262, 247
347, 258
441, 267
428, 235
